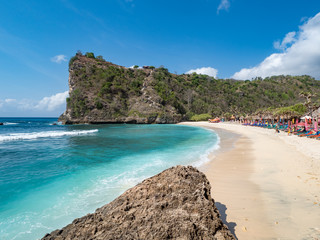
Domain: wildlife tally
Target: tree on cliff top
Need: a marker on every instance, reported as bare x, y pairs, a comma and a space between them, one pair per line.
89, 55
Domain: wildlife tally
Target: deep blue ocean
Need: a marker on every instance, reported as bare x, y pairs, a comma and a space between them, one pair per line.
51, 174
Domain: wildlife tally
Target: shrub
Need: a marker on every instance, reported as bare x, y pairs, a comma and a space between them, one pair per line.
72, 60
100, 58
89, 55
98, 104
135, 66
68, 101
189, 115
106, 88
201, 117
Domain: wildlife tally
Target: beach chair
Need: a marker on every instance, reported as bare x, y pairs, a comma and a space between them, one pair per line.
317, 134
307, 134
300, 131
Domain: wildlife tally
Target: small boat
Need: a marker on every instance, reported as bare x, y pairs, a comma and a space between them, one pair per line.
1, 123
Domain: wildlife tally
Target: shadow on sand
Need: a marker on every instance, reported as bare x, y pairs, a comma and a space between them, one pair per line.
231, 225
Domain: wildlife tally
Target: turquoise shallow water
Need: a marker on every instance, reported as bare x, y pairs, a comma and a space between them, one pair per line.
51, 174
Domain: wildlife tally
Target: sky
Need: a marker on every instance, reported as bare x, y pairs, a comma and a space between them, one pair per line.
239, 39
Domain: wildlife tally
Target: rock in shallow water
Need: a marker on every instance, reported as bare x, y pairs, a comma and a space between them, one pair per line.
175, 204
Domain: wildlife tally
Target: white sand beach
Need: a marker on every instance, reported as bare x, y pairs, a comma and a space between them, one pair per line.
266, 185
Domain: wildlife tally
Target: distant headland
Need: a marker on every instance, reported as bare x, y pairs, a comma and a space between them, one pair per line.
102, 92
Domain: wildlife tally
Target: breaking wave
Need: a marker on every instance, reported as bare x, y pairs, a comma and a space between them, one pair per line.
49, 134
10, 123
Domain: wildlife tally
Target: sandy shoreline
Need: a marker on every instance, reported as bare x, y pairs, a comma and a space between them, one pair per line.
266, 185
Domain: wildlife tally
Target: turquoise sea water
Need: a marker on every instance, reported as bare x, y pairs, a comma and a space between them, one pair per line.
51, 174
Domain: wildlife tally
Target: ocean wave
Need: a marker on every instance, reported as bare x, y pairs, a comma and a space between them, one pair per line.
205, 158
49, 134
10, 123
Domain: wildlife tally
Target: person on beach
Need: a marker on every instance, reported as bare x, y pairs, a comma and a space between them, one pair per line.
277, 130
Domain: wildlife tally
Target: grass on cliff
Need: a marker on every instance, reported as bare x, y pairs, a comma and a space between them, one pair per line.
192, 95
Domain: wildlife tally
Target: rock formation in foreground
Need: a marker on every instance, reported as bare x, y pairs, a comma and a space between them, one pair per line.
175, 204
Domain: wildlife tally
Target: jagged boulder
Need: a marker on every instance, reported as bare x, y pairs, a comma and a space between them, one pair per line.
175, 204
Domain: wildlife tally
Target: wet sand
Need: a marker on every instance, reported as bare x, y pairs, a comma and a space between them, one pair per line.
266, 185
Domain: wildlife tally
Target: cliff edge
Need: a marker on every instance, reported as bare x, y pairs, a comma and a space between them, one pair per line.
102, 92
175, 204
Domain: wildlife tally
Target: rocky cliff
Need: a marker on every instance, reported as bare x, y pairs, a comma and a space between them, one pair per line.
175, 204
102, 92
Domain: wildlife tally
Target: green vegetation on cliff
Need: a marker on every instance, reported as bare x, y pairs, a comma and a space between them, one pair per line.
102, 91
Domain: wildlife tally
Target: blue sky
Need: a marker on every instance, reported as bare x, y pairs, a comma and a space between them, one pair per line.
222, 38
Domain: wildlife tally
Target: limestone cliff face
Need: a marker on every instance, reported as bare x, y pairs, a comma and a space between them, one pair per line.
102, 92
175, 204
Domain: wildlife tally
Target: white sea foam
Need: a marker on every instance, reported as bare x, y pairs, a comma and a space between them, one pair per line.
205, 158
10, 123
49, 134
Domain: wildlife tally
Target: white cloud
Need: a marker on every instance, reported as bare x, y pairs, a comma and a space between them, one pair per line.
224, 5
10, 100
133, 67
53, 102
301, 54
7, 102
24, 104
205, 70
288, 39
46, 105
59, 58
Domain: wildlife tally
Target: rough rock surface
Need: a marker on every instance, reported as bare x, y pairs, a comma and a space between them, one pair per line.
175, 204
102, 92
